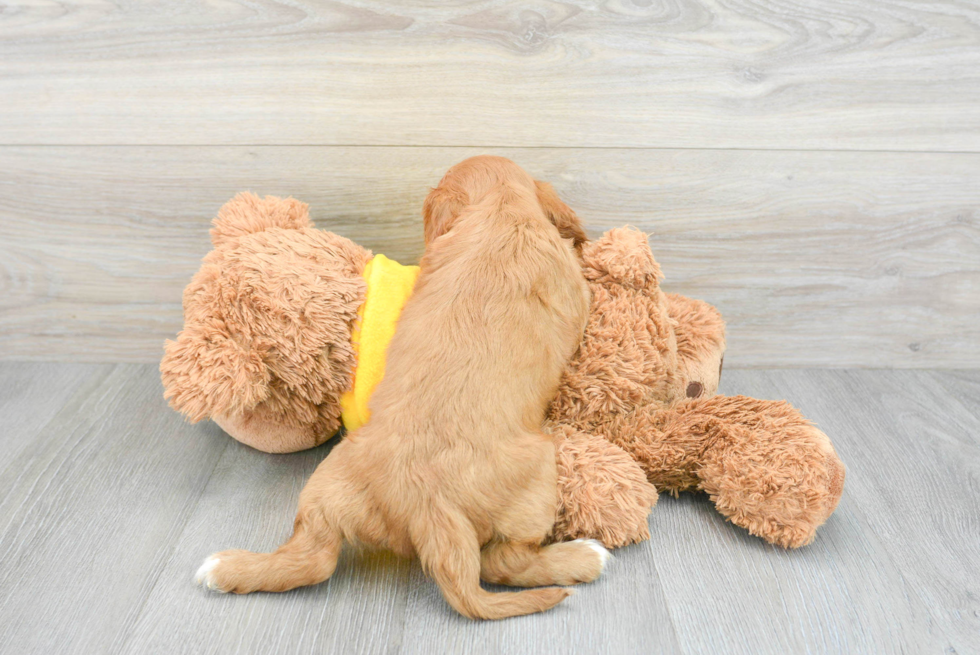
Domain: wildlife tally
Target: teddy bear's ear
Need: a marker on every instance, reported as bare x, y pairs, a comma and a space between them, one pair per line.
622, 255
247, 213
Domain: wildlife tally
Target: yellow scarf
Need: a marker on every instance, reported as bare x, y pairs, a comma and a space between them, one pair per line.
389, 285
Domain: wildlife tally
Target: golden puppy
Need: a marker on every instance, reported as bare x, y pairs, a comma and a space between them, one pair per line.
453, 465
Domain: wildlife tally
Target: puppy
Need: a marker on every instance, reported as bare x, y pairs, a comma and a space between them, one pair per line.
453, 466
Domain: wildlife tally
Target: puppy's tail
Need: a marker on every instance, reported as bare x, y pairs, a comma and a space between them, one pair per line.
450, 552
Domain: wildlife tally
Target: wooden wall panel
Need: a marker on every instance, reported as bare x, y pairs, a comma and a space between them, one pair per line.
884, 75
815, 258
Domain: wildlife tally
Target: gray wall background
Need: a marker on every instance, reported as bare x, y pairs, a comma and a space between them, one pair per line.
812, 171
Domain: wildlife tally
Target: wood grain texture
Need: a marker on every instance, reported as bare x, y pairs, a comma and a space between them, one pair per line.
106, 516
964, 388
888, 75
90, 510
913, 462
814, 258
374, 603
250, 502
635, 617
45, 389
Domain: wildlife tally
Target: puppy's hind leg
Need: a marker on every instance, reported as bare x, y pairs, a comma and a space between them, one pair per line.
309, 557
450, 553
530, 565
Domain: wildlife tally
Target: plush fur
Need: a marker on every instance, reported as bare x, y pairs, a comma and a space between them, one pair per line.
602, 493
645, 377
453, 466
266, 346
621, 419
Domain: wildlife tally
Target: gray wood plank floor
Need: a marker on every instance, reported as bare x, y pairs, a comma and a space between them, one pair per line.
108, 502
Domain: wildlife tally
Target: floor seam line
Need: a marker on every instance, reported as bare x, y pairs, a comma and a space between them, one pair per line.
170, 555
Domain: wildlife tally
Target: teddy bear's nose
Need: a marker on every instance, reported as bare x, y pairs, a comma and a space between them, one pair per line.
694, 389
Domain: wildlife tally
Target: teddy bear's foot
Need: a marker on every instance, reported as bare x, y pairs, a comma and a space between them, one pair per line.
784, 516
602, 493
764, 465
769, 470
788, 517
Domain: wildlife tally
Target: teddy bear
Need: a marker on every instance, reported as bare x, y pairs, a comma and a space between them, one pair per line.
284, 335
645, 378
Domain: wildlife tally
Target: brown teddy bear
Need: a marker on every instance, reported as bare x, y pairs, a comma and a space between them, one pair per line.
274, 322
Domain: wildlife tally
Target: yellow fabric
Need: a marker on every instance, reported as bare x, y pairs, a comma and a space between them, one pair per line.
389, 285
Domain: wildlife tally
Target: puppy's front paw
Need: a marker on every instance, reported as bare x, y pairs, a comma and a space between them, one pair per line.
206, 575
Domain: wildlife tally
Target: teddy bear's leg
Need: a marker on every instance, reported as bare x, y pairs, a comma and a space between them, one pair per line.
700, 333
763, 464
603, 493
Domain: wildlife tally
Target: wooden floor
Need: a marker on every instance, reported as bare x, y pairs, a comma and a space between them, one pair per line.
108, 502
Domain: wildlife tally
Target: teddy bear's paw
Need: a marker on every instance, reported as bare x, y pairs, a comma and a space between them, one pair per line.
205, 575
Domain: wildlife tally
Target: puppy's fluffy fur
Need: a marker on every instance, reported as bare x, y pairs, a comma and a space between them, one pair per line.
453, 466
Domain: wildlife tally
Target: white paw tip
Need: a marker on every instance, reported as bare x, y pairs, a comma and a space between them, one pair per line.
203, 575
604, 555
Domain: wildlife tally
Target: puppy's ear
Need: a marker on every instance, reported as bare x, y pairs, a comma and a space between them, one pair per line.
561, 215
441, 208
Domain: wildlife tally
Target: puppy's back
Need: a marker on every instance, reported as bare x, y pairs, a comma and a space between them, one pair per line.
498, 309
